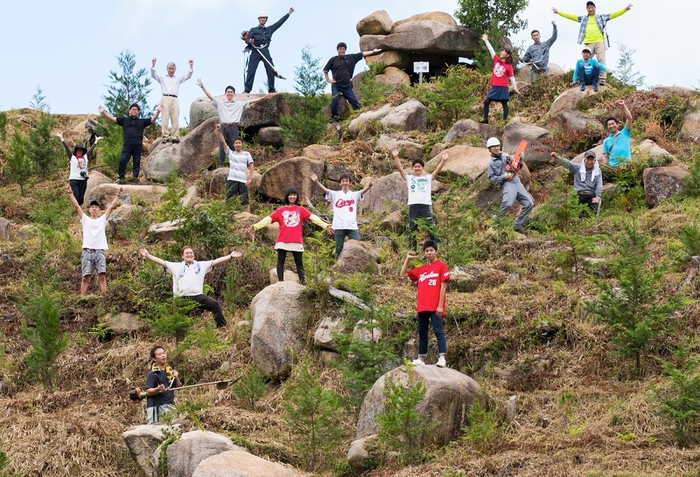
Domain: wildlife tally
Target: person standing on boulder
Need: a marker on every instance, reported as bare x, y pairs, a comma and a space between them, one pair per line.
587, 71
240, 171
344, 209
133, 127
420, 202
188, 278
258, 41
616, 147
432, 278
230, 113
160, 380
593, 31
170, 84
290, 217
94, 241
343, 67
510, 183
502, 73
537, 55
78, 167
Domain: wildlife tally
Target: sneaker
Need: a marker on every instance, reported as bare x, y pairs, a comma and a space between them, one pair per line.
418, 362
595, 87
119, 181
484, 121
441, 363
519, 229
583, 87
164, 141
601, 82
175, 140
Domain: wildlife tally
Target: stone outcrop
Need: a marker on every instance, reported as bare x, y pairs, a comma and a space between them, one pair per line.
569, 100
142, 442
470, 128
262, 113
660, 183
357, 257
408, 116
407, 149
293, 172
377, 23
104, 193
185, 454
464, 161
239, 463
271, 136
279, 314
388, 193
537, 154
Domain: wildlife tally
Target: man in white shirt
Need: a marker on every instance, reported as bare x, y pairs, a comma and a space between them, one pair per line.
188, 279
240, 169
170, 84
344, 209
94, 241
230, 113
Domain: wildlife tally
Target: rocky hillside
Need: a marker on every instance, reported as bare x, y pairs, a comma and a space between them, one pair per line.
524, 313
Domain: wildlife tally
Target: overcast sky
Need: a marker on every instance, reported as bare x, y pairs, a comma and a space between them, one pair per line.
69, 47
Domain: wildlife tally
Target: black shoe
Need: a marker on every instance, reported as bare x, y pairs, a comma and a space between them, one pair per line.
484, 121
601, 83
165, 141
271, 91
519, 229
175, 140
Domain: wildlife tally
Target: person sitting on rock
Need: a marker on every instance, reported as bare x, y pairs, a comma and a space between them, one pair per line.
587, 71
290, 217
616, 147
170, 84
345, 204
537, 54
513, 188
230, 113
343, 67
160, 380
78, 158
588, 181
432, 278
502, 73
188, 278
240, 169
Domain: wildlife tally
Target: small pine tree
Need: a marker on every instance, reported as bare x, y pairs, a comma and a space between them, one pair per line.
171, 319
3, 126
18, 167
625, 68
314, 419
635, 308
503, 14
38, 101
128, 86
43, 148
680, 402
250, 388
45, 337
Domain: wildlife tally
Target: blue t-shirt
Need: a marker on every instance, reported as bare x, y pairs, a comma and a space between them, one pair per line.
587, 68
621, 151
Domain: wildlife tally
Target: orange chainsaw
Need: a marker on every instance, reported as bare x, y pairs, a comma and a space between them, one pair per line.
516, 162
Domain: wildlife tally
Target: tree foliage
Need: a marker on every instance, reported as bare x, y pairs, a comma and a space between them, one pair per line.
481, 15
624, 71
43, 149
128, 86
18, 167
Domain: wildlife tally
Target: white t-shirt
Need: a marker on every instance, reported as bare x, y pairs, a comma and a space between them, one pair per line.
188, 280
94, 232
238, 162
419, 188
77, 165
230, 111
344, 208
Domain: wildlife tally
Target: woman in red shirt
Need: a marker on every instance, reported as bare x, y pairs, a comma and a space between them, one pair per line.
291, 217
502, 73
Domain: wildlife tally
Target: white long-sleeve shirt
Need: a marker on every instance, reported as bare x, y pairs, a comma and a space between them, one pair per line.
171, 84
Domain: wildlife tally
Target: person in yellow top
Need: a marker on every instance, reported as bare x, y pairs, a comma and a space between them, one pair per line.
593, 32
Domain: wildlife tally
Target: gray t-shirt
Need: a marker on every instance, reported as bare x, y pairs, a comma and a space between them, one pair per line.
238, 163
230, 111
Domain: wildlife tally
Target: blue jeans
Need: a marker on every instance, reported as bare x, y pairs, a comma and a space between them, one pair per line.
340, 235
591, 78
345, 91
423, 318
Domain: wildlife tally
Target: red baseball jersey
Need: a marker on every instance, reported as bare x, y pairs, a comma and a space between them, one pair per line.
430, 278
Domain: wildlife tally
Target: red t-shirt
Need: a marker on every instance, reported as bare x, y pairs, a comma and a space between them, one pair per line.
290, 219
430, 278
501, 72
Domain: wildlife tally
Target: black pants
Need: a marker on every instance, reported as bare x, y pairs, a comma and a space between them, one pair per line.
487, 102
418, 211
209, 304
78, 186
253, 60
230, 133
282, 256
588, 200
234, 188
128, 151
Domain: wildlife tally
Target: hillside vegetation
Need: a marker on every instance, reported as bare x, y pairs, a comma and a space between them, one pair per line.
593, 328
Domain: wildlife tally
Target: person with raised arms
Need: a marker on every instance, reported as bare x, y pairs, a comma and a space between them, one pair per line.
170, 85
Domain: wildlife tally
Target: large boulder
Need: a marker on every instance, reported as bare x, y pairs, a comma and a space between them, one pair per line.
142, 442
437, 17
390, 58
271, 136
407, 149
185, 454
569, 100
239, 463
96, 179
668, 91
426, 37
470, 128
464, 161
691, 126
104, 193
579, 122
164, 231
318, 151
359, 122
262, 113
123, 323
377, 23
449, 395
357, 257
538, 149
660, 183
279, 315
293, 172
408, 116
393, 76
388, 193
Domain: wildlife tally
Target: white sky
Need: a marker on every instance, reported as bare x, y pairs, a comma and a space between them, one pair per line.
69, 47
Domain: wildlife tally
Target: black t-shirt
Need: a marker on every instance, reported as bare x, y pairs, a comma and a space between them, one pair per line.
133, 129
343, 68
153, 380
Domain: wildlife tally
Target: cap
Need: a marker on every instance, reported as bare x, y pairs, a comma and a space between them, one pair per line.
586, 49
493, 141
589, 153
262, 14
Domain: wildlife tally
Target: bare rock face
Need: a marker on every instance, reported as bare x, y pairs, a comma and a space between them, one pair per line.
278, 313
470, 128
186, 454
425, 37
293, 172
464, 161
660, 183
437, 17
142, 442
449, 394
377, 23
123, 323
263, 113
239, 463
393, 76
569, 100
390, 58
538, 150
318, 151
388, 193
357, 257
105, 193
271, 136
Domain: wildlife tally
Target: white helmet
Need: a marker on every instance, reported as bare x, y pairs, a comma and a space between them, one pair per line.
493, 141
262, 13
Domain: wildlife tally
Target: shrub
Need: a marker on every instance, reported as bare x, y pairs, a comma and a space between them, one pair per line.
18, 168
680, 401
205, 230
43, 149
3, 126
170, 318
372, 92
483, 426
52, 209
250, 388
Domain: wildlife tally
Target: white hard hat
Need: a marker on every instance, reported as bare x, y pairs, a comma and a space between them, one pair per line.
262, 13
493, 141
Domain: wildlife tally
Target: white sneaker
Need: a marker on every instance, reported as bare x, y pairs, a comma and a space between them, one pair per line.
441, 363
418, 362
